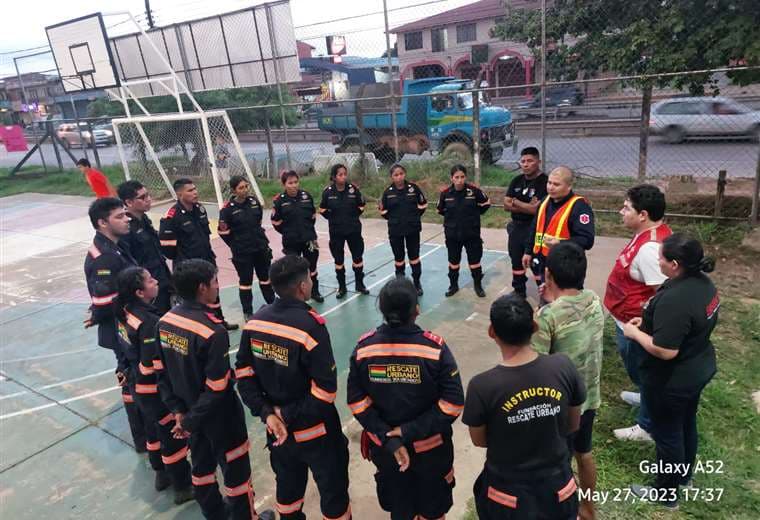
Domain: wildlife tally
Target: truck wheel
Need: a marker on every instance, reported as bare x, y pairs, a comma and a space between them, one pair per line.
457, 151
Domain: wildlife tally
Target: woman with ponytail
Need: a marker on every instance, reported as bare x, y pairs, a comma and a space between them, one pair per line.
404, 389
675, 330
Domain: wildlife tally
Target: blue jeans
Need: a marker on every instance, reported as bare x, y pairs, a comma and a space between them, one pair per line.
632, 353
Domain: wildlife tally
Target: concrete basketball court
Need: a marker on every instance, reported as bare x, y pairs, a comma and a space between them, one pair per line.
65, 449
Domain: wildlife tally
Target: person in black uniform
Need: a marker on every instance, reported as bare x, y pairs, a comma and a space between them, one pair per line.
342, 204
286, 376
402, 205
562, 215
674, 331
184, 233
143, 242
197, 387
240, 228
522, 411
404, 388
105, 258
521, 199
138, 319
293, 216
461, 205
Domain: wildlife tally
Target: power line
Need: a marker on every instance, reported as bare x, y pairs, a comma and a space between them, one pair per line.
370, 14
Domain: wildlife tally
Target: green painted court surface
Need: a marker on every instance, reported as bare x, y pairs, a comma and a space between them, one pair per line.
65, 442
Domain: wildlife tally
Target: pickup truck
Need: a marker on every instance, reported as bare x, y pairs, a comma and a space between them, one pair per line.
440, 122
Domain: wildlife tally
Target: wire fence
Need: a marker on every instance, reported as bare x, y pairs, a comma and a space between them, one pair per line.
603, 91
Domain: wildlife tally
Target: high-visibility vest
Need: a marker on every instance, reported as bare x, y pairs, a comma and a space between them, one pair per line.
557, 227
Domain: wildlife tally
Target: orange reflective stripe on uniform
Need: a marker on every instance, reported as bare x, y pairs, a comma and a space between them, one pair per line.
422, 206
146, 371
218, 385
310, 433
474, 266
132, 320
244, 372
360, 264
360, 406
104, 300
146, 389
449, 476
265, 282
399, 350
238, 452
282, 331
518, 272
414, 261
287, 509
245, 287
398, 264
175, 457
344, 516
94, 251
502, 498
166, 419
127, 398
339, 267
428, 444
214, 305
187, 324
168, 243
153, 446
323, 395
374, 438
158, 364
236, 491
450, 408
225, 232
204, 480
565, 493
453, 266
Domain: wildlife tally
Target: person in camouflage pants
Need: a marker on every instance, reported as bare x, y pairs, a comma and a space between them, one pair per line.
572, 323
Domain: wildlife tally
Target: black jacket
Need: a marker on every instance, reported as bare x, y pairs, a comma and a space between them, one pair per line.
581, 223
404, 377
240, 227
293, 217
186, 234
461, 211
342, 209
403, 209
145, 248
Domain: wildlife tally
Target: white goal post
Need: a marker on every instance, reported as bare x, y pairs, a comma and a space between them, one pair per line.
203, 146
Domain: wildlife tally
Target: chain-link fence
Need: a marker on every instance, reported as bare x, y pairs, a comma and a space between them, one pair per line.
621, 92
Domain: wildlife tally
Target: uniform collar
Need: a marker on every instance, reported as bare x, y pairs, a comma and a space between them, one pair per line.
291, 303
406, 186
404, 330
141, 306
564, 199
194, 305
101, 239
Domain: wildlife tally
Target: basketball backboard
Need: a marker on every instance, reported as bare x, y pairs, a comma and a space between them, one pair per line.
82, 54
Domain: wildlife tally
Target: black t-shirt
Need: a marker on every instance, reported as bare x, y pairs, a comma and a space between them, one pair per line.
524, 190
525, 411
681, 316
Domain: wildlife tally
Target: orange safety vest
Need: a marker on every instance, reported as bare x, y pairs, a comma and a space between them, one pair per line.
557, 228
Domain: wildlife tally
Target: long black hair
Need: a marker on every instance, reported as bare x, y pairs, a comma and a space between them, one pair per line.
334, 171
129, 281
688, 253
398, 302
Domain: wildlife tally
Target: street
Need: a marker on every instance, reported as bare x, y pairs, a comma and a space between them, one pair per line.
613, 156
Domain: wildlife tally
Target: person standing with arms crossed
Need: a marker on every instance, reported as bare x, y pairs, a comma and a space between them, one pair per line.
522, 198
402, 205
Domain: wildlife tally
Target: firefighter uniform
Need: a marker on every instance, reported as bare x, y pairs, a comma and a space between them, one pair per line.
137, 335
240, 228
342, 210
102, 265
286, 361
407, 377
403, 209
519, 228
293, 218
570, 218
196, 382
461, 210
145, 248
185, 235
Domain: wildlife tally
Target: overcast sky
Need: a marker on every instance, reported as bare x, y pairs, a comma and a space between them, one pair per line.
25, 28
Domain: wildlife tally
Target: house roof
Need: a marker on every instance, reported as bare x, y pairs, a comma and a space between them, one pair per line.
467, 13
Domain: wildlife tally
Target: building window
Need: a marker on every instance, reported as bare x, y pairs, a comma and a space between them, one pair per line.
466, 33
413, 40
438, 39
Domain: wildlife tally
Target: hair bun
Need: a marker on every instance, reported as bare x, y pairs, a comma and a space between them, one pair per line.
394, 319
707, 264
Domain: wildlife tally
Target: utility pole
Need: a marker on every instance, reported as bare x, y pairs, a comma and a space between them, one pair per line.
149, 14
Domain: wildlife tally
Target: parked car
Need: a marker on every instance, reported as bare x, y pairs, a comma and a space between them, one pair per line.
70, 135
555, 97
678, 119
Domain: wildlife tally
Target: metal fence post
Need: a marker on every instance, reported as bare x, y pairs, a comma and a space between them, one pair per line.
276, 67
476, 134
543, 83
94, 145
390, 73
753, 217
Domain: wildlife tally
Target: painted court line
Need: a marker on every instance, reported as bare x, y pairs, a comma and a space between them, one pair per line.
45, 356
58, 403
60, 383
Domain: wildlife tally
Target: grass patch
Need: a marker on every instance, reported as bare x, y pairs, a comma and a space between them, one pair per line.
70, 182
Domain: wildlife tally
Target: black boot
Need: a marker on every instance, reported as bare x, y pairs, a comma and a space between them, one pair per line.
401, 271
183, 495
341, 275
315, 290
453, 282
267, 291
163, 480
477, 279
359, 281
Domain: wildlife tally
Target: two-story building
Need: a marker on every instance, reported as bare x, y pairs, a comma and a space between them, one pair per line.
458, 43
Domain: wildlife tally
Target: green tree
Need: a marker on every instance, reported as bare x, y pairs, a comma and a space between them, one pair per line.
642, 37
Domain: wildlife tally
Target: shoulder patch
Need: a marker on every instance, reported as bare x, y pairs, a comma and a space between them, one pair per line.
443, 189
319, 319
171, 212
94, 251
366, 335
584, 218
213, 318
432, 337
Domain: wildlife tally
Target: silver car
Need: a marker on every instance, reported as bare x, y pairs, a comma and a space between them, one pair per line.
679, 119
70, 135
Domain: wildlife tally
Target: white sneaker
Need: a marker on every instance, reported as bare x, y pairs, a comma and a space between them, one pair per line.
634, 433
632, 398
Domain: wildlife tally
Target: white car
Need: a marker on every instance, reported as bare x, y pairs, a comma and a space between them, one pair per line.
678, 119
70, 135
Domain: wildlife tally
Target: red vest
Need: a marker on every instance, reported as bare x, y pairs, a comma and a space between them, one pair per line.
625, 297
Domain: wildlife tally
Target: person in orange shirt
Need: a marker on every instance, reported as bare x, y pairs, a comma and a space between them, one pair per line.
97, 180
